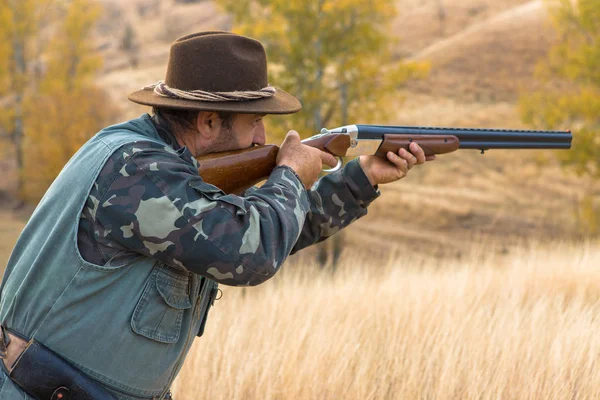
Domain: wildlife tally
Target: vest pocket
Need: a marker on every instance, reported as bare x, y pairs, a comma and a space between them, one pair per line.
159, 312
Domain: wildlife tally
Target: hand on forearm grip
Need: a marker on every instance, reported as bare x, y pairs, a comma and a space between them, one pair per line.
397, 165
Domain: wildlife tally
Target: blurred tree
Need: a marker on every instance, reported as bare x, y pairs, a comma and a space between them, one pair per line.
571, 94
67, 108
150, 8
71, 57
441, 14
130, 45
20, 24
335, 56
56, 126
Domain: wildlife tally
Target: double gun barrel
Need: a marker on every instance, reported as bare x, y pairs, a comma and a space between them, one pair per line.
481, 139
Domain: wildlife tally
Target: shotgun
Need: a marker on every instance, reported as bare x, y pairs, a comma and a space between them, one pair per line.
236, 171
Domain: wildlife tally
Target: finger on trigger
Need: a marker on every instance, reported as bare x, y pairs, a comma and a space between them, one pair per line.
328, 159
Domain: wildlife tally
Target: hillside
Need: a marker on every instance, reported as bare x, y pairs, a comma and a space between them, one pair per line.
482, 53
491, 60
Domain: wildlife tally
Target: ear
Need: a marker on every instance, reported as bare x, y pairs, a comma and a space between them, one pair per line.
208, 124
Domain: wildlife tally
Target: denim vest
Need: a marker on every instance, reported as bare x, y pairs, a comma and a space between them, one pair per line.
128, 326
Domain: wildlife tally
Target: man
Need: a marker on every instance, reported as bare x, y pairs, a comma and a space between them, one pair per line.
118, 266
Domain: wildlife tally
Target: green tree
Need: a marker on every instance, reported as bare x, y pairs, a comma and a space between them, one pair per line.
334, 55
571, 89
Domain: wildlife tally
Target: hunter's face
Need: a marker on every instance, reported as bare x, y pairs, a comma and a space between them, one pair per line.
246, 129
214, 135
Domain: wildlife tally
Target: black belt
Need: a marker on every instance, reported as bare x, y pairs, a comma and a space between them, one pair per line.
45, 375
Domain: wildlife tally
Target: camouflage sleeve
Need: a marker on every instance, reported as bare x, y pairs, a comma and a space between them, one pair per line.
158, 206
336, 200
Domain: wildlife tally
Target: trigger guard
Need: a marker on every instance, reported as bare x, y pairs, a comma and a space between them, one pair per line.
337, 167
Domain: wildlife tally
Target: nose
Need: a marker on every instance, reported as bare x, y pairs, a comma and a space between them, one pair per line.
260, 136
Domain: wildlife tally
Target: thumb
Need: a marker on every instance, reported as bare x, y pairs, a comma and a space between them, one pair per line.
291, 137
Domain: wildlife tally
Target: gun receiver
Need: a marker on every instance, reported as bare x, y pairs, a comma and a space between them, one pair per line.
236, 171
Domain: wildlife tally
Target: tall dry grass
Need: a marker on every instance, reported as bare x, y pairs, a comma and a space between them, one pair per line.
520, 327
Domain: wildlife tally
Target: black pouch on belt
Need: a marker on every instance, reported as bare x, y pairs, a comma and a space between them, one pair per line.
43, 374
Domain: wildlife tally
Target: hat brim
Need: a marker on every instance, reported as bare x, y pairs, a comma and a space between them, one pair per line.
280, 103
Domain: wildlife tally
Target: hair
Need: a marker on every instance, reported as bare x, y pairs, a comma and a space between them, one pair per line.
178, 120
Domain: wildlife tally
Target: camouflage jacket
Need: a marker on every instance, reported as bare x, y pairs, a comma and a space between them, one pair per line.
149, 200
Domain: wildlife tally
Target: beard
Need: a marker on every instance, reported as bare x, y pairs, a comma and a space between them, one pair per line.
225, 141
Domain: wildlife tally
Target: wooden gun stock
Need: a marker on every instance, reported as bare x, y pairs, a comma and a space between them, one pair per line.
236, 171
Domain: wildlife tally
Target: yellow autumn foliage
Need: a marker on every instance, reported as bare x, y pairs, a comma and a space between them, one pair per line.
21, 22
73, 61
55, 107
57, 125
571, 95
571, 73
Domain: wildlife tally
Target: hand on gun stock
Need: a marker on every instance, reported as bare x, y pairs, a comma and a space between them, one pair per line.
306, 161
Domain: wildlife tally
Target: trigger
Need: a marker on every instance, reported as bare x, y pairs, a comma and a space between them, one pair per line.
337, 167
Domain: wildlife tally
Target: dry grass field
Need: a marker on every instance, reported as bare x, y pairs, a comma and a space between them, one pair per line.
516, 324
513, 327
469, 279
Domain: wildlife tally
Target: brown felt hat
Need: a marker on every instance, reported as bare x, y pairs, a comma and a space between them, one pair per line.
218, 62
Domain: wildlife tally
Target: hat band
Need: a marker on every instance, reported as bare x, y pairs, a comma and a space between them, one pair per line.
162, 89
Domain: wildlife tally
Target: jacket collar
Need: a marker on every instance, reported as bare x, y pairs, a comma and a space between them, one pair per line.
159, 130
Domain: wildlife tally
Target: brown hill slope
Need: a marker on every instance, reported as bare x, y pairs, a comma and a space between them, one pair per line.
485, 52
490, 60
423, 23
